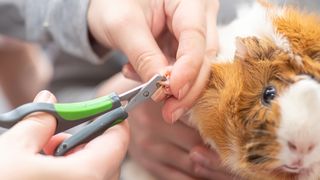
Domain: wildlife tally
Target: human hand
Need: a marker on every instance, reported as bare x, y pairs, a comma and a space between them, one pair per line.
149, 32
20, 147
170, 151
167, 151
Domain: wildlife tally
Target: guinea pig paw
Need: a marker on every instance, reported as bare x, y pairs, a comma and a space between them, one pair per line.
164, 91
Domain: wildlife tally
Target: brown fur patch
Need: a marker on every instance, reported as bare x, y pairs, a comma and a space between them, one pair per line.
302, 30
231, 111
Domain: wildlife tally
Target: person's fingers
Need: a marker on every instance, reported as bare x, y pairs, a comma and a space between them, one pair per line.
142, 50
156, 148
129, 72
173, 109
208, 164
55, 141
106, 152
34, 132
99, 159
170, 154
181, 135
148, 117
188, 21
124, 26
205, 157
209, 174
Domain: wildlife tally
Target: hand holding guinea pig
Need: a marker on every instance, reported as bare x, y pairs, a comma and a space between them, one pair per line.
162, 150
151, 32
260, 111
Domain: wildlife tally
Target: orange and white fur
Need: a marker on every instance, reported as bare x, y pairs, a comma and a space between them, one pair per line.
261, 107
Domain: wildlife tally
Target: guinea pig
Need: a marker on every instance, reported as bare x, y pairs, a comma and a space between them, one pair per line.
260, 109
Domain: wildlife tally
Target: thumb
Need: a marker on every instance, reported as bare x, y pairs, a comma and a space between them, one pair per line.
33, 133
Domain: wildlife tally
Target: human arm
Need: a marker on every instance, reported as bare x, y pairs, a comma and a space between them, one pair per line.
61, 22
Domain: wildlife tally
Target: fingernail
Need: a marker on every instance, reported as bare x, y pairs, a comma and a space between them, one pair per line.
177, 114
199, 159
43, 96
183, 91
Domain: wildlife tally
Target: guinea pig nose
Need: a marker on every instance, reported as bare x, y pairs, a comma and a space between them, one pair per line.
300, 147
296, 164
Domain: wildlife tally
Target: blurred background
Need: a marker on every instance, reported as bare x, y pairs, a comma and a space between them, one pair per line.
3, 103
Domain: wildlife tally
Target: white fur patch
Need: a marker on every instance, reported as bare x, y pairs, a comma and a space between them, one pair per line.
252, 21
300, 122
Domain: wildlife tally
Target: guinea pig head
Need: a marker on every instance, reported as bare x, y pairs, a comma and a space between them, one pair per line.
261, 112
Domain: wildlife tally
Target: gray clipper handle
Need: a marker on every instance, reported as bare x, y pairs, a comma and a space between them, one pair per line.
92, 130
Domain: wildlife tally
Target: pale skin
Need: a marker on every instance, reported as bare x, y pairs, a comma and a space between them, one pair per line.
20, 147
151, 33
166, 151
24, 70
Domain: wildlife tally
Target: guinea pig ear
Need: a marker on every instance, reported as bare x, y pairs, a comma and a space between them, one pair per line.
253, 48
246, 47
241, 49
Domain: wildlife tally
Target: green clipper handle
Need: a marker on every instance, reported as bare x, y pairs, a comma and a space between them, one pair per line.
92, 130
67, 114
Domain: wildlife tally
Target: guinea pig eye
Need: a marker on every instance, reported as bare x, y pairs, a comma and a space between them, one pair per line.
269, 94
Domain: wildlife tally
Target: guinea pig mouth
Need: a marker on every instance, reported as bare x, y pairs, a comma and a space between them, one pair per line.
295, 170
291, 169
291, 172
